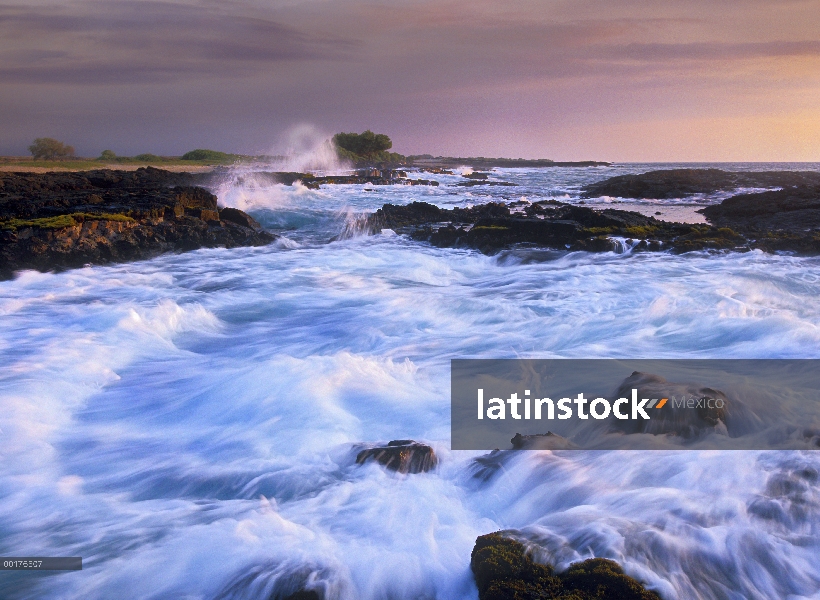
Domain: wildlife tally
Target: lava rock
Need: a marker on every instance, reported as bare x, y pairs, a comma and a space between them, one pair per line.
491, 228
402, 456
679, 183
541, 441
504, 571
65, 220
793, 209
689, 420
234, 215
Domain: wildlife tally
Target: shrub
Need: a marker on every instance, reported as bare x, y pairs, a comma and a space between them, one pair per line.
210, 155
49, 149
107, 155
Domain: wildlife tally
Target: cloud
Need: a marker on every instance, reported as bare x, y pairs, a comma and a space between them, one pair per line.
711, 51
479, 76
148, 41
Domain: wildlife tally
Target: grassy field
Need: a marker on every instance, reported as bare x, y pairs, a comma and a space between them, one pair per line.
16, 163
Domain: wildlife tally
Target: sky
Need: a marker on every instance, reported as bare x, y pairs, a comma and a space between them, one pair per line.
633, 80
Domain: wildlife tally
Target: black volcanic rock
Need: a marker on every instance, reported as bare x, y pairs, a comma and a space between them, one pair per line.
794, 208
778, 220
234, 215
64, 220
675, 418
541, 441
679, 183
403, 456
494, 227
503, 570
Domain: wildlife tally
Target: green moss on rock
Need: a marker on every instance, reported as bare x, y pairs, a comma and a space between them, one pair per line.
640, 231
504, 571
61, 221
597, 231
489, 228
603, 579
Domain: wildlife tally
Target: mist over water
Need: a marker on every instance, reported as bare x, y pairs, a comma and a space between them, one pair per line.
188, 425
306, 148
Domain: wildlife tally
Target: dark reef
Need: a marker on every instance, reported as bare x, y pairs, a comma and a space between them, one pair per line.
504, 571
679, 183
64, 220
782, 220
482, 162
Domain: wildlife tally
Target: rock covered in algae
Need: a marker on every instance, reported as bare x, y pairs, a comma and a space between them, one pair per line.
504, 571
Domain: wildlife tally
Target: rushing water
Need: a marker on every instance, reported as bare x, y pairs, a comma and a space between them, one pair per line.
187, 424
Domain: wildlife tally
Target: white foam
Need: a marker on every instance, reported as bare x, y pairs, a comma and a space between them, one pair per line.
189, 424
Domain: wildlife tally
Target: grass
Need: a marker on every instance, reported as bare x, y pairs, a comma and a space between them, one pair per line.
62, 221
86, 164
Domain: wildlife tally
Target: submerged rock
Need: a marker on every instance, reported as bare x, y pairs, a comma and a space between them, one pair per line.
482, 182
504, 571
305, 595
541, 441
402, 456
690, 410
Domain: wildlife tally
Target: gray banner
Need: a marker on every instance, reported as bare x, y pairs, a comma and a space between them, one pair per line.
635, 404
41, 563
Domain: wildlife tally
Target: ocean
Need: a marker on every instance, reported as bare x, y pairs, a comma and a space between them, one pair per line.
189, 424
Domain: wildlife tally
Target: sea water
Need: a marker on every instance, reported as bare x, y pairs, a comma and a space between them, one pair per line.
188, 424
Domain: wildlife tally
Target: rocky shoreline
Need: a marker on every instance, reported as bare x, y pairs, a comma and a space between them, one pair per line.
680, 183
64, 220
779, 220
55, 221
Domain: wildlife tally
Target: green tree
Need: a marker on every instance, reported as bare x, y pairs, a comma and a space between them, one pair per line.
365, 144
49, 149
107, 155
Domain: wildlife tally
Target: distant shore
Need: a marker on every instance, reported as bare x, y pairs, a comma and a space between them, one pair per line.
25, 164
482, 162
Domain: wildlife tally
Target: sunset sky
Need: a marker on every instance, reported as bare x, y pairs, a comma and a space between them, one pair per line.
636, 80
